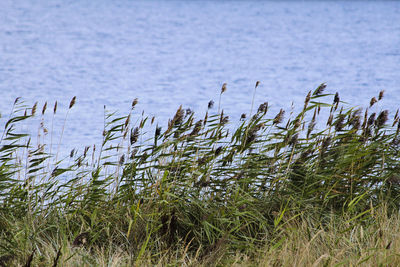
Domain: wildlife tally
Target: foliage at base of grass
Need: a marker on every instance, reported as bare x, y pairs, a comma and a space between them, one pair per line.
269, 192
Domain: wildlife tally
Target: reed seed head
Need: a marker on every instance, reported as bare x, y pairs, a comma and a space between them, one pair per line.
382, 118
243, 116
223, 89
293, 141
34, 109
279, 117
211, 104
263, 108
224, 119
85, 151
44, 108
381, 93
372, 102
336, 99
339, 123
158, 131
320, 89
251, 136
197, 128
55, 108
371, 119
134, 102
218, 151
122, 160
297, 123
307, 100
72, 103
257, 84
134, 135
178, 118
188, 112
355, 122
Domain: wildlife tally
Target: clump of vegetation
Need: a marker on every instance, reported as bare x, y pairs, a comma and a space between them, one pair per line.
305, 190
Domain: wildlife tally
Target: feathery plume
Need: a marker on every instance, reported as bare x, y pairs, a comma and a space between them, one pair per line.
320, 89
382, 118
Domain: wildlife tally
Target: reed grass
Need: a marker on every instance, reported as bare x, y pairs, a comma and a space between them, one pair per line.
275, 191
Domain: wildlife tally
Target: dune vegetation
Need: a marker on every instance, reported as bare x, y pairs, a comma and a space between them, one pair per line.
315, 188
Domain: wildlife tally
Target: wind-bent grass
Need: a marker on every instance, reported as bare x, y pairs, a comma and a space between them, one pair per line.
270, 192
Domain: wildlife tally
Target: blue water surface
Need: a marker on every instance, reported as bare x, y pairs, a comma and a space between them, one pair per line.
169, 53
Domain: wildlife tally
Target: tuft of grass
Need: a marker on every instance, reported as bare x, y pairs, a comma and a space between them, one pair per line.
319, 187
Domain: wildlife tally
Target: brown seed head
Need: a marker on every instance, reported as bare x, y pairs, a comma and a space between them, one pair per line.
293, 141
307, 100
372, 102
55, 108
336, 99
34, 109
382, 118
196, 128
210, 104
134, 103
257, 84
158, 131
122, 160
72, 103
178, 118
355, 122
188, 112
371, 119
310, 127
339, 123
44, 108
279, 117
297, 123
263, 107
320, 89
224, 119
223, 89
381, 93
134, 135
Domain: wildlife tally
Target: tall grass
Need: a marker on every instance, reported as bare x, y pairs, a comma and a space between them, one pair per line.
201, 192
